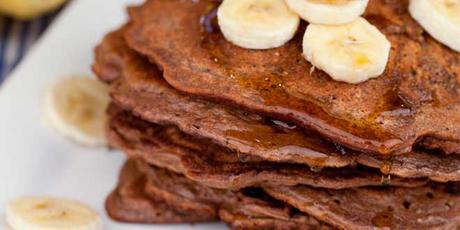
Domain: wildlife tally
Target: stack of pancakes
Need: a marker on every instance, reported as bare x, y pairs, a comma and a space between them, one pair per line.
261, 140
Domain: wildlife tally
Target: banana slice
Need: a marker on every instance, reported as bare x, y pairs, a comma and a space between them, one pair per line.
350, 53
257, 24
76, 107
27, 9
440, 18
329, 12
46, 213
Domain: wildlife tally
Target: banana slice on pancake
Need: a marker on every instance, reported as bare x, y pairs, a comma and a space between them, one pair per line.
76, 107
440, 18
47, 213
257, 24
351, 53
329, 12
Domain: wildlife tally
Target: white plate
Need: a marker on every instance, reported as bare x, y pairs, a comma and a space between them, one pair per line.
37, 161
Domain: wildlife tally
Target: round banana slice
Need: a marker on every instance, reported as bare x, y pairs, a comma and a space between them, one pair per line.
328, 12
46, 213
76, 107
351, 53
257, 24
440, 18
27, 9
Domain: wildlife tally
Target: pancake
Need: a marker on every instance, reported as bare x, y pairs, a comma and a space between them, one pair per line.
132, 202
257, 140
143, 91
129, 134
253, 203
389, 114
129, 203
185, 195
236, 221
228, 127
146, 78
435, 206
109, 55
430, 207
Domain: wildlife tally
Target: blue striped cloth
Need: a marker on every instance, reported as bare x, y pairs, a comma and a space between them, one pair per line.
16, 37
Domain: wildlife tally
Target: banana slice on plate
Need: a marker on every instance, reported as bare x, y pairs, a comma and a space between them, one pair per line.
440, 18
257, 24
329, 12
351, 53
76, 107
47, 213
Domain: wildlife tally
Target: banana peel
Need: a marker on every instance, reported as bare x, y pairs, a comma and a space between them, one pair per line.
28, 9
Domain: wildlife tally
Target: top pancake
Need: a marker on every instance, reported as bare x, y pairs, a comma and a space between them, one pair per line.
142, 90
383, 115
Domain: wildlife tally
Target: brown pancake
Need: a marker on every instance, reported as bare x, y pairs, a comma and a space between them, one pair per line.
236, 221
109, 55
129, 203
430, 207
155, 144
144, 92
138, 200
384, 115
144, 77
435, 206
185, 195
251, 203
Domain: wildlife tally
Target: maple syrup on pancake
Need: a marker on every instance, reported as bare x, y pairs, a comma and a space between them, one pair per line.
285, 142
271, 88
